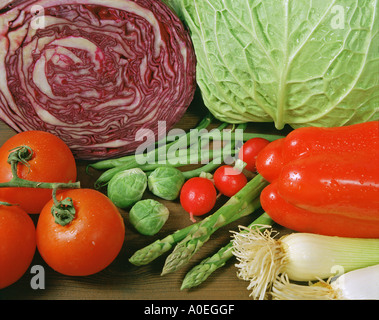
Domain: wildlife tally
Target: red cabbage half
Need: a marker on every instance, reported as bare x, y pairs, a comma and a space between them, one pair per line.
93, 72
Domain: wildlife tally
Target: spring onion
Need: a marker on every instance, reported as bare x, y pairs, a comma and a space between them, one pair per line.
300, 256
359, 284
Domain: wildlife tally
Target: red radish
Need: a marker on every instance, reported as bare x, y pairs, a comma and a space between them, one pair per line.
229, 180
250, 150
198, 196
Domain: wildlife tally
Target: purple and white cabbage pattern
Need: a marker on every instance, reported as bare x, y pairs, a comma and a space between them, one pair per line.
94, 72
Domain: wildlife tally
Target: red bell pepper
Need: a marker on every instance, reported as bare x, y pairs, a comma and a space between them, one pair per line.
310, 140
306, 141
269, 160
302, 220
327, 182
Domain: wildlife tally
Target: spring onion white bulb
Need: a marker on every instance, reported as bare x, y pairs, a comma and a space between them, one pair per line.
299, 256
360, 284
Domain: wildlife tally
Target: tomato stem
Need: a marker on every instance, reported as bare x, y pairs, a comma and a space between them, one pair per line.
22, 155
63, 211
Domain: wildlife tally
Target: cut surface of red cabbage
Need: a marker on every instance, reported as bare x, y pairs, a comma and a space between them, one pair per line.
94, 72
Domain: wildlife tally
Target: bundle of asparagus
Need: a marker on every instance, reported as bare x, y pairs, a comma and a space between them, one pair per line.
189, 240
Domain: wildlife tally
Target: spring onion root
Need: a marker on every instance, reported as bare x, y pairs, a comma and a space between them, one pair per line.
283, 289
359, 284
262, 259
206, 267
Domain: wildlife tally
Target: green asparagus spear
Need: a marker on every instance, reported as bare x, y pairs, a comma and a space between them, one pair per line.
247, 197
202, 271
159, 247
154, 250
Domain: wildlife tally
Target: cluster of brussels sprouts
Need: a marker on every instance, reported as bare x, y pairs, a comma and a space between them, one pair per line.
126, 190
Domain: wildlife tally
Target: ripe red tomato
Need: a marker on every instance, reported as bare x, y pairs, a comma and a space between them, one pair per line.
198, 196
52, 161
90, 242
17, 244
249, 151
229, 180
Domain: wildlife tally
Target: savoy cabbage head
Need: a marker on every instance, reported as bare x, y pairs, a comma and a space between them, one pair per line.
296, 62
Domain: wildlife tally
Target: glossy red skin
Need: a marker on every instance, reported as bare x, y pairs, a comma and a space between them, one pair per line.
198, 196
342, 183
308, 141
229, 180
324, 180
89, 243
301, 220
52, 161
311, 140
269, 161
17, 244
250, 150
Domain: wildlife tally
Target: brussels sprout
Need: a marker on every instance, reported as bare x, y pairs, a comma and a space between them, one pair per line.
127, 187
148, 216
166, 182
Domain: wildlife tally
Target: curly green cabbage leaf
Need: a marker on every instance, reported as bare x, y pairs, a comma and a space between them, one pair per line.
296, 62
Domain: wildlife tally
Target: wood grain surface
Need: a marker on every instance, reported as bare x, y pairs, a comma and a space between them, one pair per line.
122, 280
